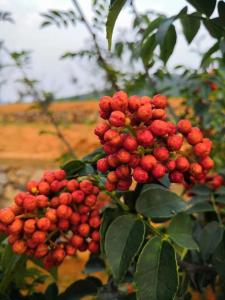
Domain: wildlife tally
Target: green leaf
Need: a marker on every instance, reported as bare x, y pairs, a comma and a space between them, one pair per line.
122, 243
201, 190
157, 202
81, 288
109, 215
200, 207
94, 264
221, 11
190, 27
218, 258
10, 265
147, 49
51, 292
72, 167
220, 191
156, 274
210, 238
114, 10
205, 6
220, 199
152, 26
169, 43
163, 30
214, 28
208, 54
180, 231
94, 156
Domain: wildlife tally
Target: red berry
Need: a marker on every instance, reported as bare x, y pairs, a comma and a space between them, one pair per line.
105, 103
161, 153
134, 103
12, 238
123, 156
54, 202
65, 198
112, 137
19, 247
93, 247
144, 113
58, 256
159, 101
60, 174
84, 229
148, 162
119, 101
174, 142
124, 185
63, 212
101, 128
29, 226
158, 113
207, 163
109, 186
48, 176
144, 137
171, 165
134, 161
72, 185
95, 236
113, 160
32, 186
112, 177
55, 186
63, 224
41, 250
176, 177
51, 215
15, 227
117, 119
42, 201
19, 198
90, 200
39, 237
140, 175
43, 224
145, 100
158, 170
182, 164
159, 128
123, 172
171, 128
78, 196
44, 187
95, 222
102, 165
196, 169
130, 143
201, 150
194, 136
7, 216
77, 241
30, 203
70, 250
184, 126
86, 186
75, 218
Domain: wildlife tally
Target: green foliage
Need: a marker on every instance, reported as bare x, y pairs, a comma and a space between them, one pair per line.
123, 240
59, 18
156, 275
158, 203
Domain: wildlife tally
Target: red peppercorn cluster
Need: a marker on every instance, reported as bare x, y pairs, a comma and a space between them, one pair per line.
141, 144
54, 218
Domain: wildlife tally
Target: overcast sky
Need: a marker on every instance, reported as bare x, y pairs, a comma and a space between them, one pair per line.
50, 43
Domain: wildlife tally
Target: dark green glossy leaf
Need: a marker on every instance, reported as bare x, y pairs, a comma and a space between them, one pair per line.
94, 264
156, 274
157, 202
180, 231
94, 156
205, 6
123, 240
166, 49
208, 54
218, 258
214, 28
210, 238
114, 11
201, 190
72, 167
221, 10
147, 49
190, 27
200, 207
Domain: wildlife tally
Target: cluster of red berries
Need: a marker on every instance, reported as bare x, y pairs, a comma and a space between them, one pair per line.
141, 144
54, 218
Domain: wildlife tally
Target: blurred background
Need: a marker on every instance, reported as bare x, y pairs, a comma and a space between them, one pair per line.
55, 64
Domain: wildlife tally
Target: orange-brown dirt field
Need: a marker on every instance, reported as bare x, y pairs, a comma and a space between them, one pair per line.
22, 143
